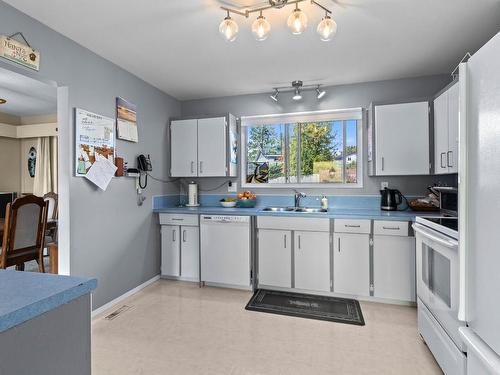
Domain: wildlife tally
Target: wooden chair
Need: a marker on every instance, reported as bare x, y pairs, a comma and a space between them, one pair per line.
52, 215
24, 232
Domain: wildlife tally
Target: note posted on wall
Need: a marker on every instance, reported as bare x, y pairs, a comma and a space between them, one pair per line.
101, 172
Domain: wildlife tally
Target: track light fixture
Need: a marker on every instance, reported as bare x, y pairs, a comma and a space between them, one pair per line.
297, 88
296, 22
275, 95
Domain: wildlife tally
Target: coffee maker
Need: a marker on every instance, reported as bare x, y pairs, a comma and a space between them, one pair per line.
390, 199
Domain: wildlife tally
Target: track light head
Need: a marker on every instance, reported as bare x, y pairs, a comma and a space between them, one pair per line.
297, 85
275, 95
320, 93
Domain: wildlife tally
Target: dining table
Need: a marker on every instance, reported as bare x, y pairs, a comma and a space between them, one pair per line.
53, 249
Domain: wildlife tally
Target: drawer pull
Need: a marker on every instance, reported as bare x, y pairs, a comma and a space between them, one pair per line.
391, 228
352, 226
177, 219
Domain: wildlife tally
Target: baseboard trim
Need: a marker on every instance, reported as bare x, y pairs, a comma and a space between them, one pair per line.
117, 300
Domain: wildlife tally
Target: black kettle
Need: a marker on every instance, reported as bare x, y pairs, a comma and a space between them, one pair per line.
390, 199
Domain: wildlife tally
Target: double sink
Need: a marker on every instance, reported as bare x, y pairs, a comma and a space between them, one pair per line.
295, 209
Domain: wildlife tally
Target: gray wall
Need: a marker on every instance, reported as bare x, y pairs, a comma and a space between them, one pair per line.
112, 238
337, 97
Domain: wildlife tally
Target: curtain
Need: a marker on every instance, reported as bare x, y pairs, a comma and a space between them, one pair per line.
46, 166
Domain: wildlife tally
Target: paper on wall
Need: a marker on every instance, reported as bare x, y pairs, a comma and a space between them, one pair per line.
101, 172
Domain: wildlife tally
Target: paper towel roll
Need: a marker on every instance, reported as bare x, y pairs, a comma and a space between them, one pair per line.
193, 193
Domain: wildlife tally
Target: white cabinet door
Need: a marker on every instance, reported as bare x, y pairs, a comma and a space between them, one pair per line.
170, 251
184, 148
351, 264
275, 258
212, 147
394, 267
453, 122
402, 139
312, 260
190, 253
441, 133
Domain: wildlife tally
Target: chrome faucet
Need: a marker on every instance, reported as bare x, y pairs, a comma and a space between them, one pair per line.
298, 197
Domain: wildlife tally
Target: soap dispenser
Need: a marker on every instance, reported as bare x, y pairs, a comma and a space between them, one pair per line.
324, 202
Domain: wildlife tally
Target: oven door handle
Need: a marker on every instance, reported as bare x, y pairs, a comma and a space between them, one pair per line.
424, 232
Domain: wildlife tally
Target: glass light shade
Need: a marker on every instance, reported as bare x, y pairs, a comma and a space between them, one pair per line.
297, 95
229, 29
327, 29
297, 21
261, 28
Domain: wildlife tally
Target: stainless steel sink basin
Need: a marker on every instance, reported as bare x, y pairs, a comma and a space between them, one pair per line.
293, 209
279, 209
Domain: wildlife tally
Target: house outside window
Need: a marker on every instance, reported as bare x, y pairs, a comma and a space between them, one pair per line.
307, 149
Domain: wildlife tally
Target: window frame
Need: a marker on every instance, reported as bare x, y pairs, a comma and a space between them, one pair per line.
342, 114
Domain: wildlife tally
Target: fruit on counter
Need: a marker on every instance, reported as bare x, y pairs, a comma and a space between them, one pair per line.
228, 200
247, 195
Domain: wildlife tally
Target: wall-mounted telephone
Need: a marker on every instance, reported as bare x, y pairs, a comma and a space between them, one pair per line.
144, 163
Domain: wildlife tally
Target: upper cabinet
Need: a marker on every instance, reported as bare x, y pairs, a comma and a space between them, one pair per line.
446, 118
399, 139
205, 147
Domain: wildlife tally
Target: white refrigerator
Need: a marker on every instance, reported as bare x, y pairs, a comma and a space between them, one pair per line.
479, 206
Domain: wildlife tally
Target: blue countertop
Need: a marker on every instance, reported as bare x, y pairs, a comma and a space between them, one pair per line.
26, 295
333, 213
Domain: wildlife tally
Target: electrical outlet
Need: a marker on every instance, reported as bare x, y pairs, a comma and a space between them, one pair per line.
383, 185
232, 187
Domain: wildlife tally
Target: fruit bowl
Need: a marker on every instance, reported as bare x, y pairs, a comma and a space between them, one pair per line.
247, 203
229, 204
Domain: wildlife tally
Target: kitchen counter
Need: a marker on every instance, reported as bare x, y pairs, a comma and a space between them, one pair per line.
26, 295
333, 213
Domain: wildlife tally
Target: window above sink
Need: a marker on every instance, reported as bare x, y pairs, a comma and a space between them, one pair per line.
307, 149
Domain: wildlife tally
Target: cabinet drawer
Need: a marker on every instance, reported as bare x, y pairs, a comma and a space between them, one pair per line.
294, 223
391, 228
179, 219
352, 226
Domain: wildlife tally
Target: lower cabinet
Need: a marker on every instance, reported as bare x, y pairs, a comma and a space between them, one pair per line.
351, 263
180, 254
275, 258
312, 260
394, 267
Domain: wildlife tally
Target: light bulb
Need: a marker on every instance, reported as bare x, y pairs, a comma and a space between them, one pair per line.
229, 29
327, 28
261, 28
297, 95
297, 21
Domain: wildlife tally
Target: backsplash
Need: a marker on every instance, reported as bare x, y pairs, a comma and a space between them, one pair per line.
334, 201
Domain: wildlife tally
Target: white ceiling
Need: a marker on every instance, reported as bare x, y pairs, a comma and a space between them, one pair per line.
26, 96
175, 45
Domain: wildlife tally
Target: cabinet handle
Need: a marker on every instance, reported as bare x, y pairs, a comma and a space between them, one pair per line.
284, 241
383, 163
177, 219
391, 228
352, 226
184, 235
339, 244
443, 165
192, 167
173, 235
299, 242
201, 167
448, 154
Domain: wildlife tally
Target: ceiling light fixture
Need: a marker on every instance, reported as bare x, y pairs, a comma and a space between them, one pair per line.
297, 85
320, 93
229, 28
275, 95
297, 21
297, 88
327, 28
261, 28
3, 101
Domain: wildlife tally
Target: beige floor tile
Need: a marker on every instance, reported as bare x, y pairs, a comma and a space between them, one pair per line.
178, 328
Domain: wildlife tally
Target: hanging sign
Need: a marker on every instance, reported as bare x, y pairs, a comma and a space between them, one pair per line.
20, 53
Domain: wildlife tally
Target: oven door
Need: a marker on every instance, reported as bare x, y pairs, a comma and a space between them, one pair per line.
438, 278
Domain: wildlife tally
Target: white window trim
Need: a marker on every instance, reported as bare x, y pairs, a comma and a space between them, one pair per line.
343, 114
